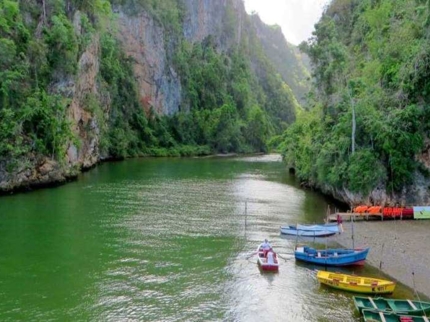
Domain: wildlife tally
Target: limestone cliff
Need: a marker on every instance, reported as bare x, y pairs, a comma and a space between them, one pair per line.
144, 40
148, 43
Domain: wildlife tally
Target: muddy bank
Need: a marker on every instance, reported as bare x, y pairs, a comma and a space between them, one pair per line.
402, 246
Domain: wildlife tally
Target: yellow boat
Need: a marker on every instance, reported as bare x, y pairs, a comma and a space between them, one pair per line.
357, 284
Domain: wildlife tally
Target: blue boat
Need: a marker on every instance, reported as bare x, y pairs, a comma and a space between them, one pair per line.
331, 257
291, 230
331, 227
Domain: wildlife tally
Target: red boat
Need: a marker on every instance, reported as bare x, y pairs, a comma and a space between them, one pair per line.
267, 260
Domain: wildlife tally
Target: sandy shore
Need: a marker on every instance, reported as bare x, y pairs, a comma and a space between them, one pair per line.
403, 247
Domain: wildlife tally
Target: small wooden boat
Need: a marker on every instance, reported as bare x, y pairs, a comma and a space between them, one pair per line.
331, 257
291, 230
396, 306
266, 261
356, 284
330, 227
378, 316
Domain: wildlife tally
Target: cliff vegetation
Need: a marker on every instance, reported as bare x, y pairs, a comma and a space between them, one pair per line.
86, 80
365, 136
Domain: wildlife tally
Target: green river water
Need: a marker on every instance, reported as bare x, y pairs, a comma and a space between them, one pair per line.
163, 240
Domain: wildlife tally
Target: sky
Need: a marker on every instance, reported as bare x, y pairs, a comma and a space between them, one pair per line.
296, 17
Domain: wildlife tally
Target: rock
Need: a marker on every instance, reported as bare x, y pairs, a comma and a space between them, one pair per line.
47, 167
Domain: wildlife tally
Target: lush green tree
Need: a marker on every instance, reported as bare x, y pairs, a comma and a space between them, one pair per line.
369, 103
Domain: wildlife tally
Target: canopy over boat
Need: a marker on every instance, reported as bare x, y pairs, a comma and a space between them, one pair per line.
389, 305
331, 257
358, 284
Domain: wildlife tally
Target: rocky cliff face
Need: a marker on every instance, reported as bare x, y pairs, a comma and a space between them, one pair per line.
38, 170
150, 47
416, 194
206, 17
144, 40
84, 124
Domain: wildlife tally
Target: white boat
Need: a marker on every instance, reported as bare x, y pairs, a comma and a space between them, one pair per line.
292, 230
331, 227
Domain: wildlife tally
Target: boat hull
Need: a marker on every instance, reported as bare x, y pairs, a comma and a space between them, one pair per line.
267, 267
306, 233
263, 264
372, 316
333, 227
404, 307
356, 284
332, 257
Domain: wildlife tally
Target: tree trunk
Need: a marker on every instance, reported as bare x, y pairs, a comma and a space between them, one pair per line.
353, 127
354, 124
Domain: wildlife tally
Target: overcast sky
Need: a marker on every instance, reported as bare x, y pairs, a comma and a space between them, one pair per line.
296, 17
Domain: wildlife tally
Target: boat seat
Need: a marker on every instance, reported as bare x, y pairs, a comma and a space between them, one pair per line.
335, 254
381, 315
412, 305
373, 303
319, 254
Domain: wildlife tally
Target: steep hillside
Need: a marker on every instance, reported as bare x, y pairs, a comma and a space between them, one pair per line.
286, 58
366, 139
83, 81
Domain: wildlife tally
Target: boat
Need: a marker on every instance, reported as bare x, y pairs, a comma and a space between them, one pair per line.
396, 306
378, 316
331, 257
264, 261
358, 284
330, 227
291, 230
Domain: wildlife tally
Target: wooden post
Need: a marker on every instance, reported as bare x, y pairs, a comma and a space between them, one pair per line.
352, 232
326, 253
382, 251
246, 214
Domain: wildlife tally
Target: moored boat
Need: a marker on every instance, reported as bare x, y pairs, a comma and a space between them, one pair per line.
389, 305
331, 257
378, 316
330, 227
267, 260
291, 230
358, 284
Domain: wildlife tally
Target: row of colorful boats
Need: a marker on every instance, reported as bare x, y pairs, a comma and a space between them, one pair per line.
326, 257
372, 309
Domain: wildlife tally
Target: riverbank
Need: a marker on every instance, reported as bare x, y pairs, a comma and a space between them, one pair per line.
42, 173
402, 246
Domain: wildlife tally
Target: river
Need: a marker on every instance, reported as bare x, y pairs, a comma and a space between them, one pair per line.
163, 240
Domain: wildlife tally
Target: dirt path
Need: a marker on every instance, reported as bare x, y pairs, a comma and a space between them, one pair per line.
403, 247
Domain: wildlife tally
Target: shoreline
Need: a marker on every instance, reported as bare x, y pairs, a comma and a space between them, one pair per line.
64, 176
400, 249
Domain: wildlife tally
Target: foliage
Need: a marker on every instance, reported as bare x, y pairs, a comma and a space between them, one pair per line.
371, 57
227, 106
32, 119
